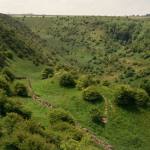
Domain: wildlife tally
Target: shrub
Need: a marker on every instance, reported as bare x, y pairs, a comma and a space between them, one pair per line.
21, 90
4, 85
8, 74
106, 83
96, 115
67, 80
59, 115
24, 141
146, 86
85, 82
128, 96
92, 95
47, 72
8, 106
130, 72
3, 60
8, 54
70, 145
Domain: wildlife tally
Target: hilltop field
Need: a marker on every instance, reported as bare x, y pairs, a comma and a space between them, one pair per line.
74, 83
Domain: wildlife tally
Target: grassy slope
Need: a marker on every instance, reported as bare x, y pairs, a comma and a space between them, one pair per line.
124, 128
78, 40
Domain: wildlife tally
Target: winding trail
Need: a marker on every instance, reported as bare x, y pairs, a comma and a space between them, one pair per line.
44, 103
108, 107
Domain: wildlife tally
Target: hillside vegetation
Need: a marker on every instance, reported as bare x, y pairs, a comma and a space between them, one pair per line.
112, 48
74, 83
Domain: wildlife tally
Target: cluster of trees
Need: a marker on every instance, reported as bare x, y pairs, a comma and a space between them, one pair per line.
19, 131
9, 87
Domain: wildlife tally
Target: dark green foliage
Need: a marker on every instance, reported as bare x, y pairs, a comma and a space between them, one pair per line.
130, 72
47, 72
92, 95
8, 54
106, 83
3, 59
59, 115
4, 85
8, 75
128, 96
21, 90
67, 80
146, 86
96, 115
8, 106
13, 40
85, 82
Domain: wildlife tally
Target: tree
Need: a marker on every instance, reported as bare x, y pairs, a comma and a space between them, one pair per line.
47, 72
128, 96
59, 115
92, 95
67, 80
21, 90
8, 106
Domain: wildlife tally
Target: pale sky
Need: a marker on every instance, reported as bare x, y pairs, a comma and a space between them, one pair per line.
76, 7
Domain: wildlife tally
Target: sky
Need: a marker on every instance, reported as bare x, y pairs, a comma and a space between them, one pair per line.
76, 7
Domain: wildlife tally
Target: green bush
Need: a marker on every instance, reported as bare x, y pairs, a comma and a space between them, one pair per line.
85, 82
23, 140
128, 96
96, 115
8, 54
3, 60
8, 75
47, 72
146, 86
59, 115
20, 90
67, 80
130, 72
4, 85
92, 95
8, 106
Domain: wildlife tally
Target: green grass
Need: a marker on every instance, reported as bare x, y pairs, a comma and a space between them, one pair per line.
124, 128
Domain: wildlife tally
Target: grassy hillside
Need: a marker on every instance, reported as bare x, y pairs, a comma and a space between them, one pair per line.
49, 63
125, 128
112, 48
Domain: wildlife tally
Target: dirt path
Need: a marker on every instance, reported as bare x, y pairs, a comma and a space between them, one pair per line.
37, 98
108, 108
46, 104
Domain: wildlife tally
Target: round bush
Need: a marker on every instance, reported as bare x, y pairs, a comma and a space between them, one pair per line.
96, 115
59, 115
8, 106
21, 90
92, 95
128, 96
47, 72
67, 80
